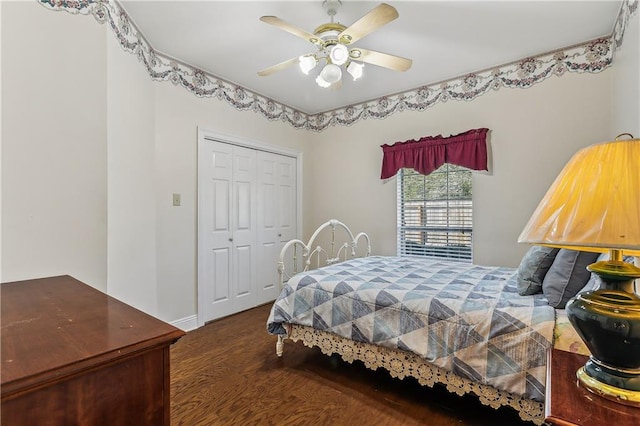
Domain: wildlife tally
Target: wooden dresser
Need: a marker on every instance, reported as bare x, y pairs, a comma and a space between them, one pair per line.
71, 355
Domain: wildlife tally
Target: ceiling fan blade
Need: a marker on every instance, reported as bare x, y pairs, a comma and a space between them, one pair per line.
376, 18
282, 65
385, 60
277, 22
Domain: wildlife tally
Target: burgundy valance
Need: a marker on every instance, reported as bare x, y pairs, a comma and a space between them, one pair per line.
468, 149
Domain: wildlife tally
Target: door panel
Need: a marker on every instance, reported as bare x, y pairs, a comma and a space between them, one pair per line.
219, 268
244, 238
243, 275
288, 202
267, 226
276, 220
214, 231
221, 197
268, 211
243, 210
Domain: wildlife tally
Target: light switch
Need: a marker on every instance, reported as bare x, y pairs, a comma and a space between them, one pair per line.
176, 199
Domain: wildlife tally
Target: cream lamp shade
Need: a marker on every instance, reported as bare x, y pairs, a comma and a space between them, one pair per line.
594, 204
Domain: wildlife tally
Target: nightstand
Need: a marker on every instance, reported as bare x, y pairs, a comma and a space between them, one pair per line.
567, 403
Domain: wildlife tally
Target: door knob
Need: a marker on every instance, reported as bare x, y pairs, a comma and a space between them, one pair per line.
230, 239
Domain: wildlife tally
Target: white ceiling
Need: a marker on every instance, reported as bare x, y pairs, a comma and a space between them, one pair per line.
445, 39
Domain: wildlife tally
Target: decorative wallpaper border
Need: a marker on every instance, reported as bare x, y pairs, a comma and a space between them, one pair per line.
593, 56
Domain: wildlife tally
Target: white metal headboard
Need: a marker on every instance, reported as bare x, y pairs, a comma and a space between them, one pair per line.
303, 254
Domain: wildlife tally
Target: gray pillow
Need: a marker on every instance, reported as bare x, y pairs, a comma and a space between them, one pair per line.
567, 276
533, 267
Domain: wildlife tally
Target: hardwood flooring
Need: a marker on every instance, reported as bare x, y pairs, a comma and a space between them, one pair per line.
227, 373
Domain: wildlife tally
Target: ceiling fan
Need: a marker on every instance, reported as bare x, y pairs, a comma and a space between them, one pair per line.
333, 41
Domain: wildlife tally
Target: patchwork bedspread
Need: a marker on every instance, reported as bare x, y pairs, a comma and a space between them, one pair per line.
467, 319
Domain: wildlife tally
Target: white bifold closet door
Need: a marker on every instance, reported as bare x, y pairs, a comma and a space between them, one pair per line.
246, 212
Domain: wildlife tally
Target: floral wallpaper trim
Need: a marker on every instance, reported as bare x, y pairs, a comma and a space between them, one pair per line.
593, 56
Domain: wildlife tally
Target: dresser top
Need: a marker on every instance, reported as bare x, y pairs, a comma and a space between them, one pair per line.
56, 326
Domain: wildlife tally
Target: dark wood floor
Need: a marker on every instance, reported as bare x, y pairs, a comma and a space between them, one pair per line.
227, 373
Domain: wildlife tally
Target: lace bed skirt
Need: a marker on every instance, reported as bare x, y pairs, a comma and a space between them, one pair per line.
403, 364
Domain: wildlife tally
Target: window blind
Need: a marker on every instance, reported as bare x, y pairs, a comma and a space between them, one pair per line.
435, 213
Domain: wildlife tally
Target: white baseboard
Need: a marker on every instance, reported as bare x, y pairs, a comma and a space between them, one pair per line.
187, 323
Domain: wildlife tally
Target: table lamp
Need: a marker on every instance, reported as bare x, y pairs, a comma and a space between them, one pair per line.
594, 205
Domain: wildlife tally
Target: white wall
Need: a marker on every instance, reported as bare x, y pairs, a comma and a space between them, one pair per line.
131, 236
626, 83
533, 133
178, 115
0, 149
54, 160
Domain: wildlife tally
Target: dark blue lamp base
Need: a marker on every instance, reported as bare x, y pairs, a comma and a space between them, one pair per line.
608, 321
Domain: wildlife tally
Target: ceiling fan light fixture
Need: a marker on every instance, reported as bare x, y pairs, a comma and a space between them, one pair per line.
355, 69
331, 73
333, 41
339, 54
321, 82
307, 63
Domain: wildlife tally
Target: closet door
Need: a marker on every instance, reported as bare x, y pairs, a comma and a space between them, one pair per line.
276, 218
247, 211
226, 229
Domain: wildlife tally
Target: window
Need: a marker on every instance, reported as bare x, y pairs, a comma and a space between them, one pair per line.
435, 213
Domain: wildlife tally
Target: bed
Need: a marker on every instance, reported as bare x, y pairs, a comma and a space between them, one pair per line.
461, 325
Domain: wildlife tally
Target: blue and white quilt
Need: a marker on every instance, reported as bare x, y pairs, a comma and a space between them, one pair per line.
467, 319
